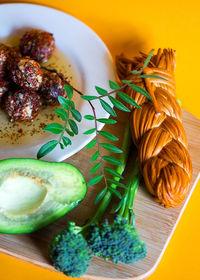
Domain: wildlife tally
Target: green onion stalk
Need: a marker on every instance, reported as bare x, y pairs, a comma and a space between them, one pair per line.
72, 249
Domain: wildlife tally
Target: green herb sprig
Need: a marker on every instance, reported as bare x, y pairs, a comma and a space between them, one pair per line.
71, 116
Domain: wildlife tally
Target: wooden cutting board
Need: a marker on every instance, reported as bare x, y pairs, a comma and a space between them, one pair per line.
154, 223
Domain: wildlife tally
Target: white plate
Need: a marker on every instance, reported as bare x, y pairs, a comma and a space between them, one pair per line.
89, 57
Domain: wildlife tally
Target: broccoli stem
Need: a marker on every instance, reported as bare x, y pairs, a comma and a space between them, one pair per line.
119, 241
126, 144
132, 186
135, 183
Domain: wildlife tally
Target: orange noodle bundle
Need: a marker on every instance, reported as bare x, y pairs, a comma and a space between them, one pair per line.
157, 128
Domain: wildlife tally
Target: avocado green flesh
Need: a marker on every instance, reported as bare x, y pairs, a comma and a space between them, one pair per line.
35, 193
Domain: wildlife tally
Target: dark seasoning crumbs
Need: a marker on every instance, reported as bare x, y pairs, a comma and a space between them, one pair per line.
16, 132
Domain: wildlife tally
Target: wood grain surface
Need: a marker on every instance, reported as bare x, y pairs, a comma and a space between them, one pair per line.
154, 223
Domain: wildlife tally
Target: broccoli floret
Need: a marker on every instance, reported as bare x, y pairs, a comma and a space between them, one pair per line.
118, 242
70, 252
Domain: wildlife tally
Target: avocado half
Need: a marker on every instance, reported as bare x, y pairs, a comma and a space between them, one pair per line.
35, 193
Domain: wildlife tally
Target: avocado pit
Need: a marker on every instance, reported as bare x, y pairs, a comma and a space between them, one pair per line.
21, 195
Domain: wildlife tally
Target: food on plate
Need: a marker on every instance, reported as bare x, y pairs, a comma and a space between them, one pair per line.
27, 73
22, 105
52, 87
157, 128
13, 58
4, 86
37, 44
35, 193
22, 74
118, 242
5, 53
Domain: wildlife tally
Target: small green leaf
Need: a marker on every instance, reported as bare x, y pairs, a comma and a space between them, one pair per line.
117, 193
69, 132
61, 113
68, 102
91, 144
54, 128
108, 135
76, 114
109, 121
66, 141
100, 195
135, 72
69, 91
95, 168
61, 146
95, 156
153, 76
127, 81
112, 160
147, 60
71, 104
119, 205
107, 108
141, 90
89, 131
113, 85
63, 102
47, 148
128, 99
111, 148
118, 104
113, 172
117, 183
95, 180
89, 97
89, 117
101, 91
73, 126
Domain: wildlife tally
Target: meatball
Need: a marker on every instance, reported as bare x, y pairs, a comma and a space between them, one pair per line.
51, 88
22, 105
12, 60
26, 73
4, 85
37, 44
5, 56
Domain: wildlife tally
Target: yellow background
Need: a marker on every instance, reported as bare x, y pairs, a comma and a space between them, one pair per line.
128, 26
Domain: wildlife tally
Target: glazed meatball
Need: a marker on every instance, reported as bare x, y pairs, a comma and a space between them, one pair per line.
12, 60
4, 87
26, 73
22, 105
5, 57
37, 44
51, 88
